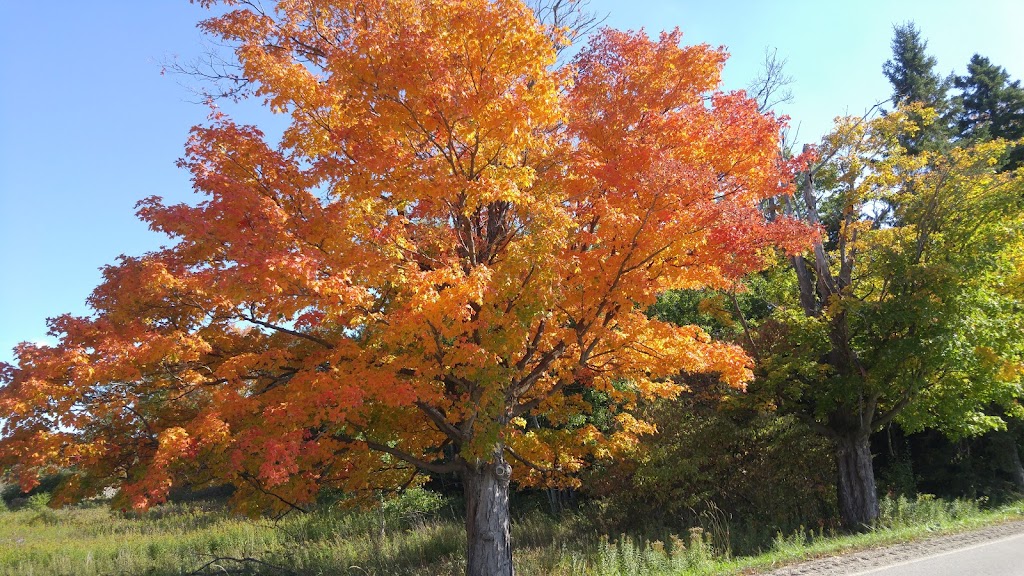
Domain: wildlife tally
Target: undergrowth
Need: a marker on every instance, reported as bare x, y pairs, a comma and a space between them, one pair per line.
419, 534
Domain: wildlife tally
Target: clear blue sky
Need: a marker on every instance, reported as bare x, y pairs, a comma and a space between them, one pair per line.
88, 125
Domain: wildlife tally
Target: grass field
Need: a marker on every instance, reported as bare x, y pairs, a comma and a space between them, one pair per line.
419, 534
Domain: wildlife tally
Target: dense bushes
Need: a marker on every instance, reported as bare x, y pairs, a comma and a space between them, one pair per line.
743, 476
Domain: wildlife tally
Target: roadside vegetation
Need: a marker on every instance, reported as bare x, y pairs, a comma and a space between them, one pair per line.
420, 533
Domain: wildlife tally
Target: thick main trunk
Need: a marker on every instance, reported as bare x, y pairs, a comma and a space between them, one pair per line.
858, 499
489, 549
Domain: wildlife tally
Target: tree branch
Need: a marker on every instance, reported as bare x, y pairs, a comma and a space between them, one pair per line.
886, 417
441, 422
289, 331
536, 467
255, 484
520, 387
746, 327
770, 87
403, 456
215, 563
525, 407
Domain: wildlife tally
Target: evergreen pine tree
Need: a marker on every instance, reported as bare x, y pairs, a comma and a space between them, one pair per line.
991, 106
914, 79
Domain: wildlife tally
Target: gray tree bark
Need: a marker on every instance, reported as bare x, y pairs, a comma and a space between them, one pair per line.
488, 527
858, 497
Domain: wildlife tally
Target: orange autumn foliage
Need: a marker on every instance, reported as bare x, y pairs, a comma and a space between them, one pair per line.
453, 239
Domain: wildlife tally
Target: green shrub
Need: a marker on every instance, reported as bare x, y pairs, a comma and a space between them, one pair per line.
739, 475
40, 504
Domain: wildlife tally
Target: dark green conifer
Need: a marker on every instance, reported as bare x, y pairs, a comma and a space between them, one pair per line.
991, 106
914, 79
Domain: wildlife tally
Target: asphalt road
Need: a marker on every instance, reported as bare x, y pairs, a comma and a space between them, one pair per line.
1003, 557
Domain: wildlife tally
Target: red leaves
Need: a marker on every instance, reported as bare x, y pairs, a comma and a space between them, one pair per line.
451, 237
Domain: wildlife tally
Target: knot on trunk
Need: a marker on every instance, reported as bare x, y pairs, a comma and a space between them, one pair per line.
502, 470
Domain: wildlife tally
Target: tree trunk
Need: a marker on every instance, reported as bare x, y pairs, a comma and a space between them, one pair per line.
1016, 468
560, 499
1004, 444
489, 548
858, 499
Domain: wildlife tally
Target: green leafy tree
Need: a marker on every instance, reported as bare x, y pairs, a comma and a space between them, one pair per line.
905, 312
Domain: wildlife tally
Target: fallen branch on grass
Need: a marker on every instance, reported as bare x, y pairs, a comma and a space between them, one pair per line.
215, 563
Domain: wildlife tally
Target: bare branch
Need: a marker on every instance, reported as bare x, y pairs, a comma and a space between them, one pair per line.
771, 85
569, 20
216, 562
217, 77
523, 384
532, 405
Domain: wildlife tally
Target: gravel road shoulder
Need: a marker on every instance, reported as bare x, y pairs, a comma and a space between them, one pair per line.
862, 560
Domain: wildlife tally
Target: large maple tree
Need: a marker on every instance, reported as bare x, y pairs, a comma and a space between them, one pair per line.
454, 237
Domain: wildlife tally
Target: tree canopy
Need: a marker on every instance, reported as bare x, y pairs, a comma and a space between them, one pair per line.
905, 311
453, 235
